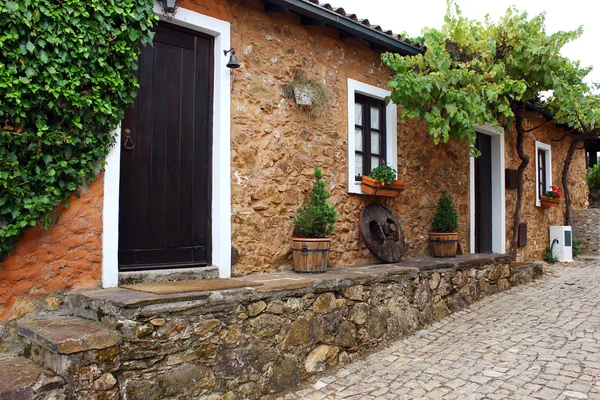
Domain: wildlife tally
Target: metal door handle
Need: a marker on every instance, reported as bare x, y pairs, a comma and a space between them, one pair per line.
128, 143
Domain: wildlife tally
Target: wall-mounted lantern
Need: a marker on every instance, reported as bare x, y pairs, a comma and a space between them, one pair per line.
169, 7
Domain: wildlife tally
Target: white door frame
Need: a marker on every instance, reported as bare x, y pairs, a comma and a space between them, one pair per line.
498, 192
221, 189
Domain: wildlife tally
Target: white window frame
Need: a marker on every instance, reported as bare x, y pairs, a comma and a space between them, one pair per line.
548, 150
391, 118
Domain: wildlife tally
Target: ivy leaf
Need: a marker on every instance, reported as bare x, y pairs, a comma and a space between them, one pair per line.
11, 6
30, 46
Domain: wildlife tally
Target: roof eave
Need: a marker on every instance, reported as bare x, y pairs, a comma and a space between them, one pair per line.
348, 25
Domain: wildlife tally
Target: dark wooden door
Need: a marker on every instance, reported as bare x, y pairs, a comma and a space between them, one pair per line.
483, 195
166, 147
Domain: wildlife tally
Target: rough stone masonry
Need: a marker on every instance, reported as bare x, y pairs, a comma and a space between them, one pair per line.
251, 342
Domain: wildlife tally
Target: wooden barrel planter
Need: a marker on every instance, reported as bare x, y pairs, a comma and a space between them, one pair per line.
311, 255
444, 244
376, 188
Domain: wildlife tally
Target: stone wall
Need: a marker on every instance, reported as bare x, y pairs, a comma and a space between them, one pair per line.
540, 219
45, 263
275, 144
586, 228
248, 343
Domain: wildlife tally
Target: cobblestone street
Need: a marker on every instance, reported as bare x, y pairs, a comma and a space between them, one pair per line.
536, 341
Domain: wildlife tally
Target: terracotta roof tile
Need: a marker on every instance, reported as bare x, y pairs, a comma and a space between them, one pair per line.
342, 12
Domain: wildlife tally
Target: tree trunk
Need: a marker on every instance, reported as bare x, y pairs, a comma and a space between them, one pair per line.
521, 173
565, 174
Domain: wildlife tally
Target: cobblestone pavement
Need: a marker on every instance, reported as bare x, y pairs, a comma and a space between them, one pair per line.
536, 341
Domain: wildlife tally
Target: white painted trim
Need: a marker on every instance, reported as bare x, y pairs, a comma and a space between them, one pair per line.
472, 205
498, 192
391, 121
498, 195
221, 190
548, 149
110, 215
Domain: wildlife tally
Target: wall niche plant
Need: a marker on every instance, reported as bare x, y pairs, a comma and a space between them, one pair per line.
65, 81
308, 93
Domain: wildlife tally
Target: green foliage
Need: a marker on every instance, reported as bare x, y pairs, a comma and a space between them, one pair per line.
473, 73
383, 173
577, 247
549, 257
318, 94
551, 194
577, 106
446, 218
316, 218
65, 79
593, 177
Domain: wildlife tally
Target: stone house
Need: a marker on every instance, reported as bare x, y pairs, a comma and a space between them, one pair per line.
253, 151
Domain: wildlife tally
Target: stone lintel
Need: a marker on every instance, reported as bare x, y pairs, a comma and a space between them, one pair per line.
68, 335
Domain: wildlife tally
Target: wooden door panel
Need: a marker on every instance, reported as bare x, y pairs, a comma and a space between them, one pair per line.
203, 144
165, 218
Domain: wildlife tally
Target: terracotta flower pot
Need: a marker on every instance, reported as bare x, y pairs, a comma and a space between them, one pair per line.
377, 188
311, 255
550, 201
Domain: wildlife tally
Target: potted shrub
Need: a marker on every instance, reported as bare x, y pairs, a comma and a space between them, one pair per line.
551, 198
444, 235
312, 229
382, 182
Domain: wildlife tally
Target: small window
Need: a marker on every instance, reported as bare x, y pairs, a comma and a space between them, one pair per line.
543, 170
369, 129
372, 130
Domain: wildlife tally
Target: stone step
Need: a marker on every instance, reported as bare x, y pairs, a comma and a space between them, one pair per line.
22, 379
168, 275
83, 352
68, 335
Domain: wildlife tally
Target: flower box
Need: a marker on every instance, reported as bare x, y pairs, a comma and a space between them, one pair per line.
550, 201
377, 188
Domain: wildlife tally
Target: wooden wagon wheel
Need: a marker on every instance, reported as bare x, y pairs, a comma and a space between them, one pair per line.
382, 233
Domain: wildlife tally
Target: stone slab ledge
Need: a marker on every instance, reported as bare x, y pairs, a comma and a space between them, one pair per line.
281, 284
68, 335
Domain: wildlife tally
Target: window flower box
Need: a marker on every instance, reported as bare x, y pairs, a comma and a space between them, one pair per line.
549, 201
551, 198
377, 188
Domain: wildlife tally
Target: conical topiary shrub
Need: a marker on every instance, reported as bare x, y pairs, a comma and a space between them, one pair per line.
446, 217
316, 218
443, 235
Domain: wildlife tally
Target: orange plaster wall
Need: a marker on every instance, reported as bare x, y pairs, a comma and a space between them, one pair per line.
67, 256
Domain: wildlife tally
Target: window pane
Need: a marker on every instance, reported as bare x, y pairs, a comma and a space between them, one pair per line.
374, 117
375, 143
358, 114
358, 164
358, 139
374, 162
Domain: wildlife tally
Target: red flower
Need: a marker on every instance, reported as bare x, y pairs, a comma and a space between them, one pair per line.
556, 190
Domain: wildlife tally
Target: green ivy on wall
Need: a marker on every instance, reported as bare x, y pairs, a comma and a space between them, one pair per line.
65, 81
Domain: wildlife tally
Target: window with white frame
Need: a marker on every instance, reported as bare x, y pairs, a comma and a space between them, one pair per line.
543, 170
372, 131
